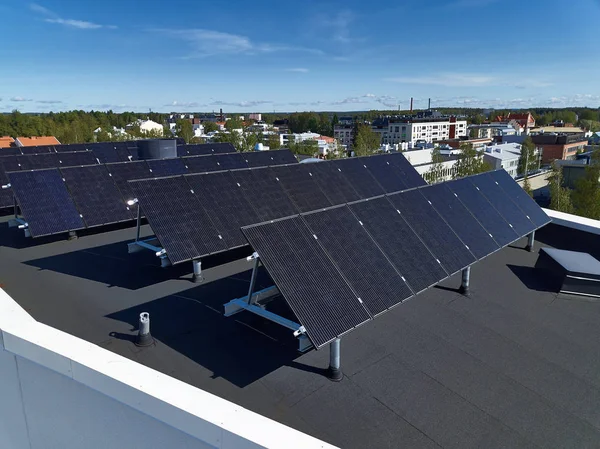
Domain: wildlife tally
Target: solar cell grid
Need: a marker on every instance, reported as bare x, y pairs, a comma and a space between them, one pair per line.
355, 172
334, 185
258, 159
437, 236
282, 157
38, 161
125, 171
37, 149
483, 211
96, 195
460, 220
364, 267
410, 176
314, 289
230, 161
503, 203
298, 183
386, 174
106, 154
11, 151
399, 243
76, 158
264, 193
222, 199
200, 164
521, 198
177, 218
45, 202
166, 167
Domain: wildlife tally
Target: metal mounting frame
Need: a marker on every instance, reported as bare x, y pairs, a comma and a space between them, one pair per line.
17, 222
255, 302
146, 244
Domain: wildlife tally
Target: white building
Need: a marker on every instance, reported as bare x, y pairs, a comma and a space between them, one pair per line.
492, 130
422, 161
506, 156
147, 126
414, 131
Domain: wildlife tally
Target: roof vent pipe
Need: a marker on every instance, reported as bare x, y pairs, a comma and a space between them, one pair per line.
144, 338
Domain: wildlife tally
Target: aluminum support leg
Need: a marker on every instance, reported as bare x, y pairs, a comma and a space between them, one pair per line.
466, 276
334, 372
253, 280
139, 223
530, 242
197, 277
72, 235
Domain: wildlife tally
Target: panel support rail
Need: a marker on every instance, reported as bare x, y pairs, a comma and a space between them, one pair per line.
255, 302
17, 222
150, 244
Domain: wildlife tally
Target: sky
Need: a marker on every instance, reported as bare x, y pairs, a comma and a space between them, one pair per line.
266, 56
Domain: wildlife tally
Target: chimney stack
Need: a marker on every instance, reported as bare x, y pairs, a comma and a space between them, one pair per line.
429, 105
411, 104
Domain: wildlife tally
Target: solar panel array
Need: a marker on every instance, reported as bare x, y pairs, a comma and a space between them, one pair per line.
342, 266
99, 193
236, 198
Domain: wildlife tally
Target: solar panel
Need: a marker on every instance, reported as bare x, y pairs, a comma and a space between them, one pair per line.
331, 181
264, 193
10, 151
230, 161
222, 148
283, 157
45, 201
166, 167
314, 289
258, 158
410, 176
399, 243
38, 161
76, 158
96, 195
386, 174
460, 220
125, 171
124, 154
503, 204
74, 147
439, 238
6, 197
224, 202
177, 218
357, 174
521, 198
200, 164
106, 154
483, 211
37, 149
298, 183
360, 261
204, 149
10, 163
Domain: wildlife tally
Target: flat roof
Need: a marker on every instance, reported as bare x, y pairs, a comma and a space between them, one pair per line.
512, 365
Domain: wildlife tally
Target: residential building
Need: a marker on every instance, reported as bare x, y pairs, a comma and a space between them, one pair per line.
197, 127
282, 126
525, 120
415, 130
478, 144
503, 156
147, 126
36, 141
422, 161
559, 146
492, 131
344, 134
256, 116
558, 130
6, 142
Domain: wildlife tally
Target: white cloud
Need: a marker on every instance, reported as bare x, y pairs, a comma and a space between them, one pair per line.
339, 26
49, 101
448, 80
184, 104
241, 104
206, 43
52, 17
20, 99
297, 69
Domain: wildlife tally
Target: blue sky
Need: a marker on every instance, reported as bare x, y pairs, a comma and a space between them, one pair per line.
269, 56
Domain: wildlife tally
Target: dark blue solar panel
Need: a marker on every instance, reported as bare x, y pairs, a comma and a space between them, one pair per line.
503, 203
331, 181
283, 157
106, 154
6, 197
166, 167
9, 163
399, 243
264, 193
460, 220
298, 183
409, 175
483, 211
96, 195
357, 174
45, 202
521, 198
11, 151
258, 158
38, 161
439, 238
200, 164
360, 261
74, 147
177, 218
386, 174
314, 289
37, 149
222, 199
76, 158
230, 161
125, 171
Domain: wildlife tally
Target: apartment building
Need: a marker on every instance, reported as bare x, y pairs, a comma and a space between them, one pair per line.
419, 130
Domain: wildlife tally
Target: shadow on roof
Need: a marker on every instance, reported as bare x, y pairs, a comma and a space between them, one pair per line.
532, 278
240, 349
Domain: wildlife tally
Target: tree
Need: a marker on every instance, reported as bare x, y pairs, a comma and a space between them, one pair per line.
184, 129
469, 162
527, 186
273, 142
527, 160
167, 133
560, 197
586, 195
366, 141
435, 173
234, 124
210, 127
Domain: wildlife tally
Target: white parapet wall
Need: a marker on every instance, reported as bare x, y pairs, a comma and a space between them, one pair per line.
60, 392
574, 221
